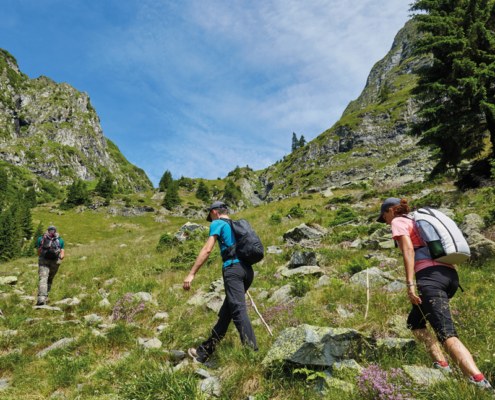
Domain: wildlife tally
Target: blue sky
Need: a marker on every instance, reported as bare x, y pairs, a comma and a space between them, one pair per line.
198, 87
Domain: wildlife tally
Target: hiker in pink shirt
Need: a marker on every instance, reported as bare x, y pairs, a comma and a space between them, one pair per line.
437, 283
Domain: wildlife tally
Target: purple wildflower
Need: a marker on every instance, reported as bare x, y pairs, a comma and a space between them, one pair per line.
126, 308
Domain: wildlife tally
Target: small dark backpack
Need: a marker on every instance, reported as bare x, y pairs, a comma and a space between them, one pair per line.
50, 247
247, 247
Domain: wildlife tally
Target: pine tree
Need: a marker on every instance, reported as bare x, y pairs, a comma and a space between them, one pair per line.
4, 186
105, 187
232, 192
203, 193
172, 197
26, 221
295, 142
302, 142
31, 197
10, 248
37, 234
456, 93
165, 181
384, 93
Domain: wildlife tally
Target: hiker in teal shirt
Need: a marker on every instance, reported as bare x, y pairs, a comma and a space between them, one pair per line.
51, 250
237, 278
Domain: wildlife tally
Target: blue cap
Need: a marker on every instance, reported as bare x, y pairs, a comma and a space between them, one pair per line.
390, 202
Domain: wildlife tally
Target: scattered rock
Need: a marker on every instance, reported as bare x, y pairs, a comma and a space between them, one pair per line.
71, 302
274, 250
304, 232
5, 383
160, 316
202, 373
323, 281
300, 258
182, 364
82, 258
343, 313
153, 343
161, 327
216, 304
395, 343
143, 296
201, 298
104, 303
472, 222
423, 375
47, 308
60, 344
282, 296
8, 333
92, 318
327, 193
388, 244
396, 286
123, 245
377, 278
210, 385
262, 295
178, 354
189, 227
28, 298
324, 384
8, 280
346, 370
96, 332
109, 282
312, 345
301, 271
398, 326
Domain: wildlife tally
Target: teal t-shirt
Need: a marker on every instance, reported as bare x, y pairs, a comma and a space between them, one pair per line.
62, 245
225, 235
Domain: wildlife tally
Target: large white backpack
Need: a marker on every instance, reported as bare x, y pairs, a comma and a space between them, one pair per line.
445, 242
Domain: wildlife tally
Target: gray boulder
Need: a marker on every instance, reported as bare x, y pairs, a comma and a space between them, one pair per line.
215, 304
377, 278
301, 271
323, 281
153, 343
323, 385
398, 326
395, 343
274, 250
189, 227
282, 296
142, 296
472, 222
304, 232
45, 307
424, 376
396, 286
8, 280
210, 386
481, 247
217, 286
300, 258
60, 344
5, 383
315, 346
327, 193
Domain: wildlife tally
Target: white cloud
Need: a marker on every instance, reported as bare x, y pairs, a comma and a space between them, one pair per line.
228, 82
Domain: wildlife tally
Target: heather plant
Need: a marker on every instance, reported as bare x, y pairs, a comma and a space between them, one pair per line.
127, 307
375, 383
281, 316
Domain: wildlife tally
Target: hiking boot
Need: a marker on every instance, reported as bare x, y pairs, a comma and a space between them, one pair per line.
445, 370
41, 302
194, 355
484, 384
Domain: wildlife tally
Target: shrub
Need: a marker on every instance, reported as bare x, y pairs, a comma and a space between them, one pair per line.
308, 197
296, 211
431, 200
340, 199
184, 259
232, 192
275, 219
357, 265
369, 194
300, 287
165, 242
344, 214
489, 217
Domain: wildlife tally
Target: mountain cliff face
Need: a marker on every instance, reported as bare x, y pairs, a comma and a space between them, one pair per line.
52, 131
369, 142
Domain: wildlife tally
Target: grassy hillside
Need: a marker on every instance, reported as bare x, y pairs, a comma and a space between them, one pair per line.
115, 364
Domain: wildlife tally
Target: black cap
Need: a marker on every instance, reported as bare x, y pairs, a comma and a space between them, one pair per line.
52, 228
390, 202
216, 204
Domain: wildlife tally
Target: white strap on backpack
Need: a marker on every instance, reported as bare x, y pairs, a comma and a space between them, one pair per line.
444, 240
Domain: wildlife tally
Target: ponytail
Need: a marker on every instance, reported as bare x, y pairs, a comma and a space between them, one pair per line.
402, 208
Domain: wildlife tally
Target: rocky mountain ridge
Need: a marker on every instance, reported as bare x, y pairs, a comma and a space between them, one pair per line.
52, 131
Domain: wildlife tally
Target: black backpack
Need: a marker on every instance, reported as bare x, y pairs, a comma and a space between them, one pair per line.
247, 247
50, 247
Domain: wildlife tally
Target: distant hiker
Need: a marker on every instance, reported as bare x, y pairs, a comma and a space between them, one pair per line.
51, 250
437, 283
237, 278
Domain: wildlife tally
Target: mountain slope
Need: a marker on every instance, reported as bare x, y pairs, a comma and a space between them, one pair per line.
369, 142
51, 130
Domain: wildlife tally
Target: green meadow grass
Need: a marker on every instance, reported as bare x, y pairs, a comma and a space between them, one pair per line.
115, 364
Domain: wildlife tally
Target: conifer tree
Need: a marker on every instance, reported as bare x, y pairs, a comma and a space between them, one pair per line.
232, 192
105, 187
4, 186
165, 181
302, 142
456, 93
295, 142
38, 233
9, 240
26, 221
172, 197
31, 197
203, 193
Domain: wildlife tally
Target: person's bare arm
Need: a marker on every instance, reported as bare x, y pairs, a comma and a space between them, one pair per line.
62, 254
408, 255
202, 257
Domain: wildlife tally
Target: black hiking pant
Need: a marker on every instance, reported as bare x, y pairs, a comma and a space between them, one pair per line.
436, 285
237, 279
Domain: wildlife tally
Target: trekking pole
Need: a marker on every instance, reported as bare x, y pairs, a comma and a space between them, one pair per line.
367, 292
259, 315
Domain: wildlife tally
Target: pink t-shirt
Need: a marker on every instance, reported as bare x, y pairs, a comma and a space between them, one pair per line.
407, 227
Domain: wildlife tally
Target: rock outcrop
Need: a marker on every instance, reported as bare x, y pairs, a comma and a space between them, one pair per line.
51, 131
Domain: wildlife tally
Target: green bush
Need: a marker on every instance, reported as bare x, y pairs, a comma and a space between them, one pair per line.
489, 217
184, 259
308, 197
300, 287
369, 194
343, 215
432, 200
340, 199
275, 219
357, 265
296, 211
165, 242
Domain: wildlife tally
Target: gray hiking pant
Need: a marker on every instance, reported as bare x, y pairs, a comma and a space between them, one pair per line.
47, 271
237, 279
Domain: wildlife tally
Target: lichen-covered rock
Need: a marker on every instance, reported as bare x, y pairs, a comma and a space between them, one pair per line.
377, 278
323, 385
323, 281
62, 343
423, 375
8, 280
396, 286
274, 250
211, 385
187, 229
303, 232
398, 326
153, 343
346, 370
395, 344
471, 221
481, 247
301, 271
300, 258
282, 296
316, 346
